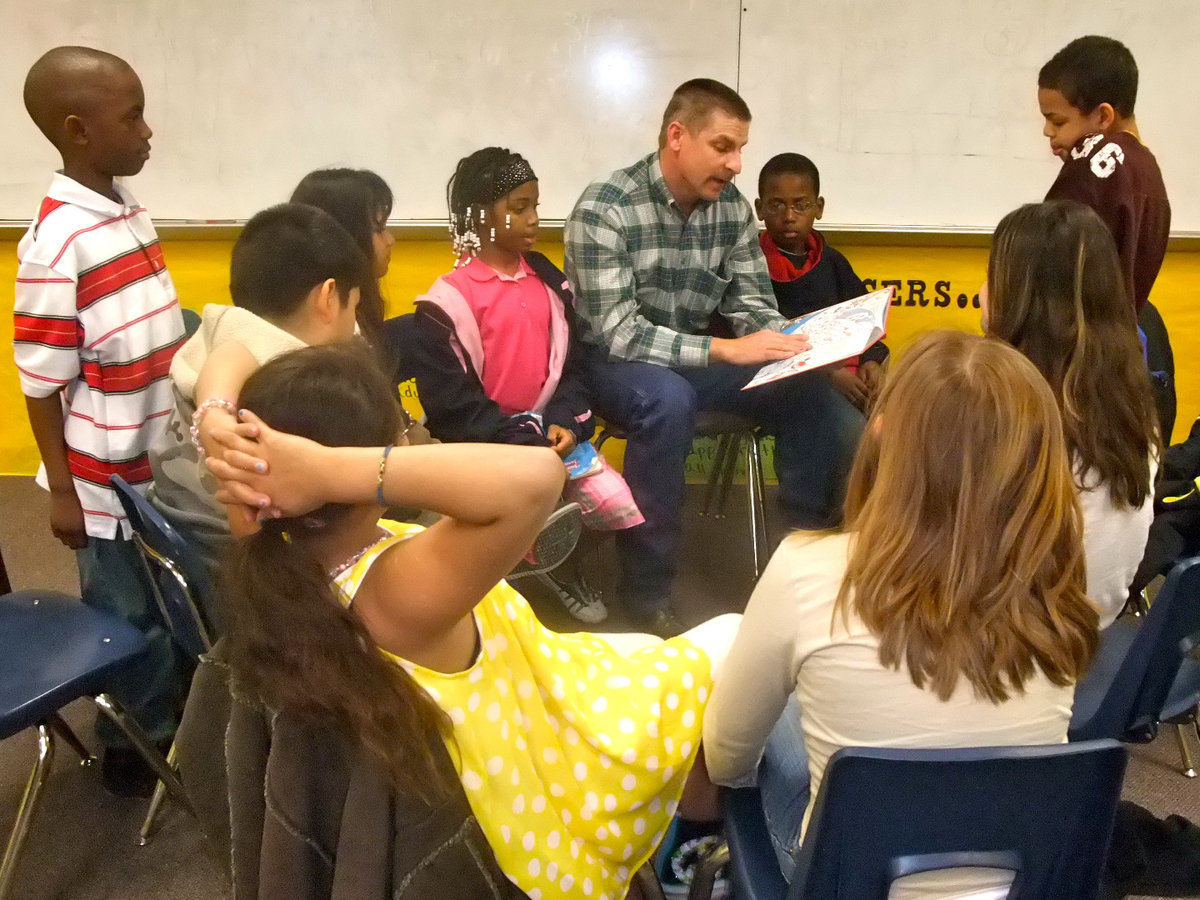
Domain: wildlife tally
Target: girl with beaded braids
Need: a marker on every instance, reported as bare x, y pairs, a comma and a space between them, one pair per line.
495, 357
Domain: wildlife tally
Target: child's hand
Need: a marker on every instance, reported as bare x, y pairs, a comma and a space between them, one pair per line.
562, 441
66, 519
267, 469
850, 385
872, 374
213, 419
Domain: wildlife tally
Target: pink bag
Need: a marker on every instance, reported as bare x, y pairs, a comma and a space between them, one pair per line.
605, 499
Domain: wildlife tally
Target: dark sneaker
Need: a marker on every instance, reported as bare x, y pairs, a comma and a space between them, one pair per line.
554, 542
124, 773
578, 597
662, 622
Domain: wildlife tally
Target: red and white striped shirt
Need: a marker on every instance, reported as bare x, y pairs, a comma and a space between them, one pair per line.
97, 318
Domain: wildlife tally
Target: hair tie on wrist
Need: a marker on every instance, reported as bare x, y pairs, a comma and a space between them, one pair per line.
198, 417
382, 468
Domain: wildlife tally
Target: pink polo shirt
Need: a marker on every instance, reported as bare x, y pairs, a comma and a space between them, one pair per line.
513, 313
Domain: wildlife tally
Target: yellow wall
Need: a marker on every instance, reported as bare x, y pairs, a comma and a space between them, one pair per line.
201, 272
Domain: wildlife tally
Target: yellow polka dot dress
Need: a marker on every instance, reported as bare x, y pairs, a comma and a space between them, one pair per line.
573, 755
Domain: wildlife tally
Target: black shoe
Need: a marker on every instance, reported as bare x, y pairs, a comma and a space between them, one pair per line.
662, 622
124, 773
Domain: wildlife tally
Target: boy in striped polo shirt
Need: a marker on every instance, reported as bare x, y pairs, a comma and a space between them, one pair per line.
97, 322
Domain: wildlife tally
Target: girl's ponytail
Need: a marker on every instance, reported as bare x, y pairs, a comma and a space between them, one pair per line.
298, 649
292, 641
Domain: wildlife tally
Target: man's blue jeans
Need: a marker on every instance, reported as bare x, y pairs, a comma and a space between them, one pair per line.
816, 432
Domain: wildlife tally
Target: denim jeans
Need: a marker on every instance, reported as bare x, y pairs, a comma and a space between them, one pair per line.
152, 690
816, 433
783, 782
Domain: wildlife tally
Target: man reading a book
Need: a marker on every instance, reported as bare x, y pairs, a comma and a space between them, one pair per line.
652, 252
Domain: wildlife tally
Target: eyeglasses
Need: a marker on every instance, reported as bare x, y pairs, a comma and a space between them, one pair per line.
800, 207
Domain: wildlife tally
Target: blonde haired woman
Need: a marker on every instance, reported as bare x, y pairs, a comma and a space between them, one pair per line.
950, 613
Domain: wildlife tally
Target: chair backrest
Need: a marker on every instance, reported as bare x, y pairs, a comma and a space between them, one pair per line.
1134, 696
1045, 812
1176, 615
175, 573
191, 321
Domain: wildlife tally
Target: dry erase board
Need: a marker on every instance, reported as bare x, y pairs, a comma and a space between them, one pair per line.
919, 114
246, 96
925, 113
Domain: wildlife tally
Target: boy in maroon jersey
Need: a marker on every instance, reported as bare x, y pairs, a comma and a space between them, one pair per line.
97, 321
1087, 93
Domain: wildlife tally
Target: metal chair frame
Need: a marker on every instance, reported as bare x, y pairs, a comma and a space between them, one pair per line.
152, 560
720, 478
53, 723
730, 444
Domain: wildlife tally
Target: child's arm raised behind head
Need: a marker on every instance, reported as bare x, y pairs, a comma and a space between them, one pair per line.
494, 498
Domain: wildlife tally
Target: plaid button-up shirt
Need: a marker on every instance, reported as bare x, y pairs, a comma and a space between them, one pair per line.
647, 278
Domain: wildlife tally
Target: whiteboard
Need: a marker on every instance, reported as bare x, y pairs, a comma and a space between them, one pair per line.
925, 113
246, 96
919, 115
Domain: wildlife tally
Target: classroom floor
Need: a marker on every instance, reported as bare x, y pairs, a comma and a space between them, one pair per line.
84, 843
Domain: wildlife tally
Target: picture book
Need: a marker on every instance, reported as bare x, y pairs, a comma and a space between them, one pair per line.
835, 333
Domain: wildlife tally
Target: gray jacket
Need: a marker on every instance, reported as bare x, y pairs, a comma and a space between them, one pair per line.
301, 812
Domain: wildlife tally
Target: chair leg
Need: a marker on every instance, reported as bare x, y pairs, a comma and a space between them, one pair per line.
757, 512
648, 882
1189, 770
56, 722
141, 742
758, 515
160, 791
25, 812
714, 474
728, 472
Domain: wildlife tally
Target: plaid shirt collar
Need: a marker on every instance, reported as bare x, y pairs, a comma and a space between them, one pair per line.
662, 193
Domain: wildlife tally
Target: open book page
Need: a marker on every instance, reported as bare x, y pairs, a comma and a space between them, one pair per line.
836, 332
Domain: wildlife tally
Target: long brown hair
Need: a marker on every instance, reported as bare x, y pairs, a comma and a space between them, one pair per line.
293, 643
967, 558
1055, 292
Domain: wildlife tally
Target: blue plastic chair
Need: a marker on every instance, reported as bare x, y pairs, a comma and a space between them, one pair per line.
178, 579
1143, 674
1045, 813
176, 574
54, 650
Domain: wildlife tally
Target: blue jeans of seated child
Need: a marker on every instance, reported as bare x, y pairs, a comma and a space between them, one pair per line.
783, 782
816, 431
111, 579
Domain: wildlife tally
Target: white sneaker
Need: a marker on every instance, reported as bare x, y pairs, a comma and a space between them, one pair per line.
577, 596
675, 871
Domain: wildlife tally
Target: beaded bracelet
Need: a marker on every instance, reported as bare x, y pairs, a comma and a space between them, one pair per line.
198, 417
382, 468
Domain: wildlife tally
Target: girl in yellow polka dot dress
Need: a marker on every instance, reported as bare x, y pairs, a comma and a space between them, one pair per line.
573, 749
